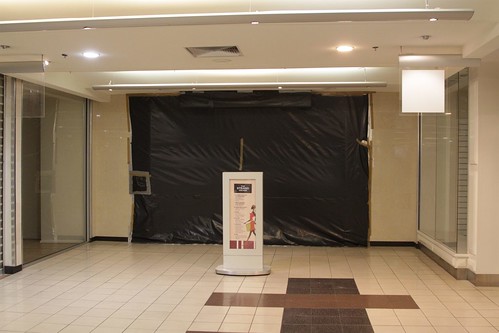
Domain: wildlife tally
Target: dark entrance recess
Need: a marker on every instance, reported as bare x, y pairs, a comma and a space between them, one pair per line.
315, 174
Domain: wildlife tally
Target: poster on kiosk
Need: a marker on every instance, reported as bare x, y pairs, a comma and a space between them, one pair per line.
242, 224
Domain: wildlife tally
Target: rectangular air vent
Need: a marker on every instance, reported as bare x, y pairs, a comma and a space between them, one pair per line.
214, 51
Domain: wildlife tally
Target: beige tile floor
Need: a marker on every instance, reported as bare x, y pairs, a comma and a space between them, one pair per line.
117, 287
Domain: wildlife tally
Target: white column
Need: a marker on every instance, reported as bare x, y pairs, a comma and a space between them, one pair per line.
483, 197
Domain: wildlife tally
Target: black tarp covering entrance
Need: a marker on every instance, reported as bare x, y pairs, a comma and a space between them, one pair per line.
314, 173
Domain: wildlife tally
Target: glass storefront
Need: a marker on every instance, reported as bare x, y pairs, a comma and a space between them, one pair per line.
444, 168
53, 171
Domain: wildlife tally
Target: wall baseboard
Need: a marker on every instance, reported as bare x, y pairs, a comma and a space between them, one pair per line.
483, 280
457, 273
479, 280
12, 269
108, 239
397, 244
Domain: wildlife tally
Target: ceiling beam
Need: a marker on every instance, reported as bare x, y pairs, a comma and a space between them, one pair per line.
262, 17
240, 85
482, 47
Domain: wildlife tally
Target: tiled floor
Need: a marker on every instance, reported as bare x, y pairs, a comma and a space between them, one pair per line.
116, 287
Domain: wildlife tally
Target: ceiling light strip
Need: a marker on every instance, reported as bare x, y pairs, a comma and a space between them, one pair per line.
240, 85
284, 16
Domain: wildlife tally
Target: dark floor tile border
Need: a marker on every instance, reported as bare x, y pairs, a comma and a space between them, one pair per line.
286, 328
312, 301
325, 320
302, 316
316, 329
317, 313
321, 286
108, 239
397, 244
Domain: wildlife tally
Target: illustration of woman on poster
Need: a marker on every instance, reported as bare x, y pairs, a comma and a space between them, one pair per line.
252, 221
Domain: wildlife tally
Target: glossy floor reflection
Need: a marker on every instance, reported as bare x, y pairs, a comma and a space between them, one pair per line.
34, 250
117, 287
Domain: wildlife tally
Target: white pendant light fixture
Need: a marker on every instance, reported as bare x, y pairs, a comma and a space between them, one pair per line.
280, 79
423, 80
22, 67
262, 17
423, 91
302, 85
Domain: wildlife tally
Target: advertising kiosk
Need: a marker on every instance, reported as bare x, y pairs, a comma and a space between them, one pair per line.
242, 224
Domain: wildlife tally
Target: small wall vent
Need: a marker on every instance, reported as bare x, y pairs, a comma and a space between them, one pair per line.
214, 51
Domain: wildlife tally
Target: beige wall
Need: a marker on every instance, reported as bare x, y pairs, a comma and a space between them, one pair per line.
394, 179
394, 171
483, 197
111, 202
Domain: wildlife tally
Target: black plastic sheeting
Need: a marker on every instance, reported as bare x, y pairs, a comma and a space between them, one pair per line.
315, 174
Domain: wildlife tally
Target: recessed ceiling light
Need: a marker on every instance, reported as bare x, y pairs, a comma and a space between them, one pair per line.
344, 48
255, 22
433, 19
91, 54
